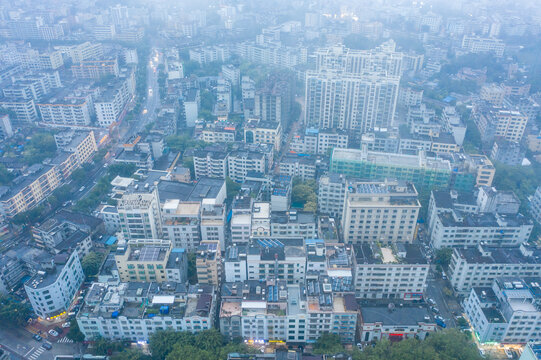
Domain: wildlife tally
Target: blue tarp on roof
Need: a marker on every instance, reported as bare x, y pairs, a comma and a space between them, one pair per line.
111, 241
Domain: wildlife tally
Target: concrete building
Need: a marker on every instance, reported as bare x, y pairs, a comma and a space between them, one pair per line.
12, 272
261, 215
259, 132
331, 195
235, 266
506, 312
51, 290
31, 188
499, 123
456, 229
395, 323
213, 220
151, 260
95, 68
535, 205
110, 106
140, 215
479, 266
136, 310
420, 169
275, 311
210, 163
383, 212
297, 224
508, 152
181, 223
477, 45
209, 263
240, 162
298, 166
192, 103
384, 272
24, 109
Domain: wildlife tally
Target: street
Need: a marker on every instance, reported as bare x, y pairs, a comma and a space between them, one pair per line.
20, 343
434, 290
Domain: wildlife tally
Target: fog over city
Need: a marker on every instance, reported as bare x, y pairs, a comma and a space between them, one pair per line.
270, 180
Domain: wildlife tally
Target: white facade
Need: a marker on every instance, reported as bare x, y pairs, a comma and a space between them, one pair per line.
140, 216
51, 293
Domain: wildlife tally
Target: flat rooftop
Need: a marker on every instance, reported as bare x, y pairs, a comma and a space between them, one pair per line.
404, 316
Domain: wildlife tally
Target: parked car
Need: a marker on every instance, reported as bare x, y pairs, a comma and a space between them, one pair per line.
37, 337
435, 309
431, 301
66, 325
53, 333
47, 346
509, 353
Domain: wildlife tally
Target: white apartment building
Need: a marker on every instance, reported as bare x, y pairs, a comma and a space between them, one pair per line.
111, 103
51, 290
241, 162
297, 224
111, 220
261, 220
476, 45
181, 223
507, 312
383, 272
136, 310
140, 215
241, 228
24, 109
380, 211
456, 229
298, 166
331, 194
72, 112
503, 123
535, 205
235, 269
284, 259
213, 222
210, 163
479, 266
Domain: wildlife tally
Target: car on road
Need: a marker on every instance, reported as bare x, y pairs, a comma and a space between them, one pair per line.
508, 353
53, 333
47, 346
435, 310
37, 337
82, 188
431, 301
66, 325
440, 322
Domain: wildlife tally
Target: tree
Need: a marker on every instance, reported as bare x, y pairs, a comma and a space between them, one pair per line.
192, 268
443, 257
91, 263
104, 346
328, 344
232, 188
304, 192
446, 345
131, 354
74, 332
79, 175
12, 312
5, 176
28, 217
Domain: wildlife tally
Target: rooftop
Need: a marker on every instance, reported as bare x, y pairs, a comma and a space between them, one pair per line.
404, 316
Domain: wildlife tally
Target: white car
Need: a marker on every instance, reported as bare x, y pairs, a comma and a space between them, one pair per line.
66, 325
53, 333
482, 352
508, 353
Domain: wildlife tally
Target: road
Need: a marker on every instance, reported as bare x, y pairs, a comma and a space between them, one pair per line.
21, 345
434, 291
284, 148
152, 100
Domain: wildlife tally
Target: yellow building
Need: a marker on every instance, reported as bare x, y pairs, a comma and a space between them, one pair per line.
209, 262
143, 260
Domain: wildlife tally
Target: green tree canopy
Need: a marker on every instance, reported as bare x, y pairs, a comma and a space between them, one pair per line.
13, 312
91, 263
328, 344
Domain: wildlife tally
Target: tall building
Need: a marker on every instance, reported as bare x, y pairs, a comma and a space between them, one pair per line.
350, 101
384, 212
208, 263
140, 215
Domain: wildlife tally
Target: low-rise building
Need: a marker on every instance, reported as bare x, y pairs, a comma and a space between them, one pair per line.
386, 272
395, 323
507, 312
210, 163
51, 290
331, 194
260, 132
479, 266
298, 166
136, 310
181, 223
151, 261
297, 224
